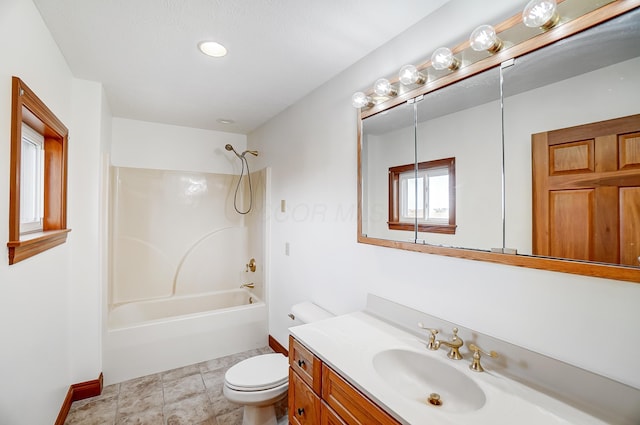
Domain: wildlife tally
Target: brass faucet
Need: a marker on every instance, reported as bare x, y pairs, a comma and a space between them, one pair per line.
248, 285
454, 345
475, 364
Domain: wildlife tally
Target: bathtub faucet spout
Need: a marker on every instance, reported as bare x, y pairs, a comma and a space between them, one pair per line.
248, 285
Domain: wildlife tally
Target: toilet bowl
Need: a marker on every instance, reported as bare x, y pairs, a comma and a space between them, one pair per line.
258, 383
261, 381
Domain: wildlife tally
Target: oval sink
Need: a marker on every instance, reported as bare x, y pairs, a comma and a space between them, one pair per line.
416, 376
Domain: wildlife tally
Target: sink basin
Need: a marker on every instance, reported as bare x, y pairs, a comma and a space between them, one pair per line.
416, 376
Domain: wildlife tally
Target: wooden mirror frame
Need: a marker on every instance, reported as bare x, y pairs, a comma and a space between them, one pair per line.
600, 15
27, 108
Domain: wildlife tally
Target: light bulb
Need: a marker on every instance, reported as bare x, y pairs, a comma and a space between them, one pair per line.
360, 100
443, 58
540, 14
409, 74
382, 87
484, 38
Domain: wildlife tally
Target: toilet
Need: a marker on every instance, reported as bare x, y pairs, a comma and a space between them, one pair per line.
259, 382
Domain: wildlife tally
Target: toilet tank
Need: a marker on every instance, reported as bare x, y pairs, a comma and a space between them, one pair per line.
307, 312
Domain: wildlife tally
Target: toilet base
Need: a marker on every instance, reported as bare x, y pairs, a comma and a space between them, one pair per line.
259, 415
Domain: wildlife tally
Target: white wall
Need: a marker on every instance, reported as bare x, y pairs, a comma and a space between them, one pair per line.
312, 150
88, 143
143, 144
48, 303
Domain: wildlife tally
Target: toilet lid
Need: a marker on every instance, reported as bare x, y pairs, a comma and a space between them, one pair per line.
258, 373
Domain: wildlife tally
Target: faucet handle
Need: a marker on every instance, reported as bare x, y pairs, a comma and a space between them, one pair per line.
431, 345
475, 363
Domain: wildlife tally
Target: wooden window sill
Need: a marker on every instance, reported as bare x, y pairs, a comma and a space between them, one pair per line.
448, 229
35, 243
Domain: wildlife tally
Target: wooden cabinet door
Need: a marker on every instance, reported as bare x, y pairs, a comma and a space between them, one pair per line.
349, 404
329, 417
586, 192
304, 404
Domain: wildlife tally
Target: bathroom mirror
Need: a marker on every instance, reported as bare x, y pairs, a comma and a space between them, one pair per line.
589, 77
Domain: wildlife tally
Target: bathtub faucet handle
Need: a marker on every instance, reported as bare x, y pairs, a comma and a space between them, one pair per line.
248, 285
251, 265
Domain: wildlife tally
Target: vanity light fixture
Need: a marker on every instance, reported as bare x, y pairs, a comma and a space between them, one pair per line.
443, 58
541, 14
382, 87
361, 100
484, 38
211, 48
409, 74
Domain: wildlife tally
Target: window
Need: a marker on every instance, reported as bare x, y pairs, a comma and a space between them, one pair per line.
31, 180
424, 196
38, 186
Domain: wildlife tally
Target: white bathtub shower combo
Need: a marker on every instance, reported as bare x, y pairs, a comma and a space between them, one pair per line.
179, 255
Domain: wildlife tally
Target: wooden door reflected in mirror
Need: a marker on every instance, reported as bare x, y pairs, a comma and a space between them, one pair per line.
586, 192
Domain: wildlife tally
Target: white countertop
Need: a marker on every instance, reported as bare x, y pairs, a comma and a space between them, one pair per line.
349, 343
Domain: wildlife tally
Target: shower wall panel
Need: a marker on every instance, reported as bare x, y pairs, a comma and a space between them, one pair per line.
174, 233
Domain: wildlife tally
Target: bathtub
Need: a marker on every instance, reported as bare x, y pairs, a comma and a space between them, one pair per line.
151, 336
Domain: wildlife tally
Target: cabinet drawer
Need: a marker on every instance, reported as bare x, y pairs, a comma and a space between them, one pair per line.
304, 404
305, 364
353, 407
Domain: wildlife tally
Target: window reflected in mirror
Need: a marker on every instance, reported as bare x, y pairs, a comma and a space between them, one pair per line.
423, 196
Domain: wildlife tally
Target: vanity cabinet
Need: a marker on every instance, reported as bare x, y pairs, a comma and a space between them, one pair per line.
318, 395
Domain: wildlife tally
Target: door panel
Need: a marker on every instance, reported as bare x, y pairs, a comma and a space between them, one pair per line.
586, 192
630, 221
571, 223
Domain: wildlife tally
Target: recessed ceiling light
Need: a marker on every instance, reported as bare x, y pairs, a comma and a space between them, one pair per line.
225, 121
212, 48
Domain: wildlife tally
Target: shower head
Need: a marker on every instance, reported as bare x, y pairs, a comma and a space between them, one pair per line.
231, 149
239, 155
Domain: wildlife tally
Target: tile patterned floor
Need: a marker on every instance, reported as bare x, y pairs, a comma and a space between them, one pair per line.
191, 395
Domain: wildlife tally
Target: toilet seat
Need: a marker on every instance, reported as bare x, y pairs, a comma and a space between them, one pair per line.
258, 373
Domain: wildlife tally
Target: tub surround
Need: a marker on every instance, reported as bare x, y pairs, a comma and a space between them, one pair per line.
519, 382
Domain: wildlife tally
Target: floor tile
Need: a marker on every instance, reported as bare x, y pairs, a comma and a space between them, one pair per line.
181, 372
141, 387
189, 395
189, 411
152, 416
131, 404
95, 411
182, 388
220, 363
232, 418
222, 406
214, 381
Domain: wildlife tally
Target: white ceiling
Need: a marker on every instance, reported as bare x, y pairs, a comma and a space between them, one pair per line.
145, 52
